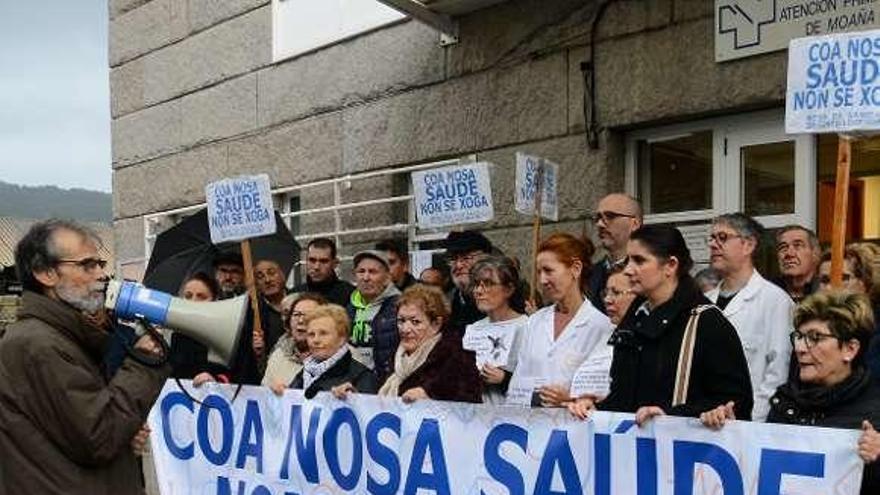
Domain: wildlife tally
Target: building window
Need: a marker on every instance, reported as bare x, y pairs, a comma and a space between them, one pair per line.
768, 178
663, 163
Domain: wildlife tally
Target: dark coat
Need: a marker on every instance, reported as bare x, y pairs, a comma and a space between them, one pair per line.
335, 291
596, 282
64, 427
346, 370
844, 405
449, 373
646, 351
246, 368
383, 333
407, 282
464, 312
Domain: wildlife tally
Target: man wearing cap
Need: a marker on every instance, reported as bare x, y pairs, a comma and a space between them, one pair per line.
463, 250
229, 272
373, 312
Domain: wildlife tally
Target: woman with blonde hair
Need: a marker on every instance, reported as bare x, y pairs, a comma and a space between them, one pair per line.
330, 362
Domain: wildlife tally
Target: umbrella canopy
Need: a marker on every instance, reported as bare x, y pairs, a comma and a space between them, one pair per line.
186, 248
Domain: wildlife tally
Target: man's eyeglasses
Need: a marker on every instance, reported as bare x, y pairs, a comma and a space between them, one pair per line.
810, 339
609, 216
721, 237
87, 264
468, 258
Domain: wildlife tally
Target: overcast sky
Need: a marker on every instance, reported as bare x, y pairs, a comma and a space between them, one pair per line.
54, 93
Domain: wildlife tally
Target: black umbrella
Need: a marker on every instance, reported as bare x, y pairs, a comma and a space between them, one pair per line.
186, 248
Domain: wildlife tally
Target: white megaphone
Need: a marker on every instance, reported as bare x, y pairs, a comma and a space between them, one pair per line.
216, 325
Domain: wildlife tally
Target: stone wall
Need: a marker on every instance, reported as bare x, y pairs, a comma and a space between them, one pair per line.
195, 97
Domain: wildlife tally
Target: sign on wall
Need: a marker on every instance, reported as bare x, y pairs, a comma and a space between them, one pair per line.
266, 445
833, 83
527, 168
453, 195
240, 208
748, 27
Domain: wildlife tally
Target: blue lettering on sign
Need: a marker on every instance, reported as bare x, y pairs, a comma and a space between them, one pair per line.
169, 402
221, 456
305, 449
558, 453
344, 416
776, 463
383, 455
253, 427
498, 468
686, 455
428, 442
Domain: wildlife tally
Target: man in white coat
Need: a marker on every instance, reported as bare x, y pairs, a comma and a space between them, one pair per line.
760, 311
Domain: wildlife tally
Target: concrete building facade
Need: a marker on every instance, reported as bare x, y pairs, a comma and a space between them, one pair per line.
196, 97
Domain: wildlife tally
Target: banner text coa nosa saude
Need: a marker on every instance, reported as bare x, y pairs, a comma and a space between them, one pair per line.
453, 195
261, 444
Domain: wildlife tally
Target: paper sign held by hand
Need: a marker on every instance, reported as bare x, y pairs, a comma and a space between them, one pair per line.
240, 208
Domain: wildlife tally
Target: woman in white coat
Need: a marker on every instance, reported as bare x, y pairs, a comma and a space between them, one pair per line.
563, 336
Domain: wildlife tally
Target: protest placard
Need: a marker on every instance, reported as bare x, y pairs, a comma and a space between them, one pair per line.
453, 195
527, 168
267, 445
834, 83
240, 208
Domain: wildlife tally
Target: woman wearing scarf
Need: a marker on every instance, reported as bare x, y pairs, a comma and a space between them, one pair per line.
292, 349
429, 363
833, 387
330, 362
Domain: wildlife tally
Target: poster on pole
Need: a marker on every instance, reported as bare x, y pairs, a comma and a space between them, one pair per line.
256, 443
527, 167
833, 83
453, 195
240, 208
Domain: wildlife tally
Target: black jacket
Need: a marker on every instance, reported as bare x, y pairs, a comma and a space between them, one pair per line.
246, 369
844, 405
646, 351
464, 312
335, 291
347, 369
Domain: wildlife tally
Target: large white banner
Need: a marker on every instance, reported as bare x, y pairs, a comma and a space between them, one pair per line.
260, 444
833, 83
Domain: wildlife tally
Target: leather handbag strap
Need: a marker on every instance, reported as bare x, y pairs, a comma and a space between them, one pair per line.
686, 357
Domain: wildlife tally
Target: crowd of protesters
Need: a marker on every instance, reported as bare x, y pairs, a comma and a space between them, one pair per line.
725, 343
635, 332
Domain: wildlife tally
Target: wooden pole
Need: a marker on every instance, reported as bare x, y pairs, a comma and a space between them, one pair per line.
247, 259
841, 199
536, 231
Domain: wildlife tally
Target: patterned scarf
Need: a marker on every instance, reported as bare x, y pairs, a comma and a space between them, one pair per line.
313, 369
406, 364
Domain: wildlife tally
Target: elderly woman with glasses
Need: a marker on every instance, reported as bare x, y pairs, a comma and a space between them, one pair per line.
286, 359
832, 387
430, 362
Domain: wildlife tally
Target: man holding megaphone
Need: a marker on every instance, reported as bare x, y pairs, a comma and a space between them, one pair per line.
64, 427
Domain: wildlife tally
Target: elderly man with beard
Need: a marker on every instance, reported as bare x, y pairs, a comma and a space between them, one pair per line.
463, 250
64, 428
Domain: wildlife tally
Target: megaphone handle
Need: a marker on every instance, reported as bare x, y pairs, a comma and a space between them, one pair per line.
257, 342
142, 328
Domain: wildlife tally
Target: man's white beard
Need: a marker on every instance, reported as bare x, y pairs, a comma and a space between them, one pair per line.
88, 300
